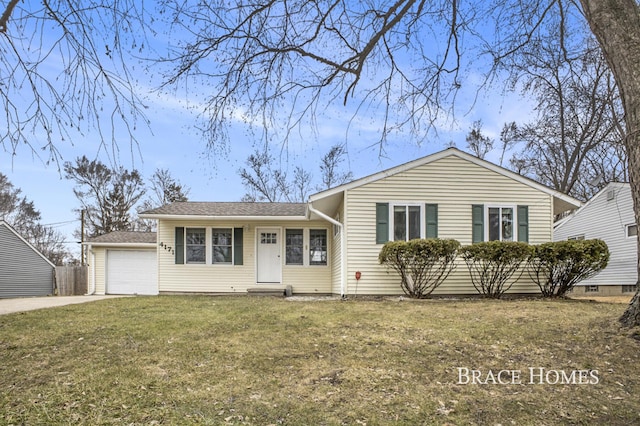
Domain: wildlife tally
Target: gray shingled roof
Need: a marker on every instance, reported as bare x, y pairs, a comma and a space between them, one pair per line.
125, 237
192, 208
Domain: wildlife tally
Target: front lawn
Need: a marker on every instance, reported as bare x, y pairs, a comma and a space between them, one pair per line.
240, 360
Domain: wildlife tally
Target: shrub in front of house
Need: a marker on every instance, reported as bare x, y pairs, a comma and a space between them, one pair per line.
423, 264
493, 264
558, 266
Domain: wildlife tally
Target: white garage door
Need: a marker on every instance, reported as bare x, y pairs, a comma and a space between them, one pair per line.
132, 272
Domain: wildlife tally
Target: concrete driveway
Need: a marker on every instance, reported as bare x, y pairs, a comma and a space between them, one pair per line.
9, 306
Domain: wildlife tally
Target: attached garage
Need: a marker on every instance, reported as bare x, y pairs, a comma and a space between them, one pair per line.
123, 263
132, 272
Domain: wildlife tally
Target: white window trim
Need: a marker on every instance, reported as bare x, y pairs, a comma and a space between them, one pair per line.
336, 228
513, 208
306, 242
626, 229
206, 252
392, 224
210, 245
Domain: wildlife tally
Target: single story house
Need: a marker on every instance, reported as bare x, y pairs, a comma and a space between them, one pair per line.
24, 271
123, 263
330, 244
608, 216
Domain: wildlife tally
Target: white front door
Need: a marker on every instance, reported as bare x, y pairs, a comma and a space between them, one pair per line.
269, 255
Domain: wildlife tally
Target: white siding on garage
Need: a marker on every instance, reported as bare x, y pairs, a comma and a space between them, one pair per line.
606, 217
131, 272
454, 184
97, 270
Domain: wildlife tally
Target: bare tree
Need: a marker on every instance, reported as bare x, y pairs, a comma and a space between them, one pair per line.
574, 144
301, 185
166, 189
508, 138
266, 181
107, 195
479, 144
616, 25
65, 69
22, 214
330, 168
263, 180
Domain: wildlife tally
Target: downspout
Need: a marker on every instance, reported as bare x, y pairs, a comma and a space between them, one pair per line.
343, 243
92, 268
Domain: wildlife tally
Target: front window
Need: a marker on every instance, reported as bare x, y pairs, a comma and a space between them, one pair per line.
317, 247
221, 245
195, 247
294, 247
406, 222
500, 223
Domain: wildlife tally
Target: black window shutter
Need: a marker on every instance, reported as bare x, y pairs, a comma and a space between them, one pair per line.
382, 223
523, 224
237, 246
179, 245
477, 217
431, 216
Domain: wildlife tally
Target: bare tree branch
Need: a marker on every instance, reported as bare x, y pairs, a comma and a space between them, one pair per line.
66, 71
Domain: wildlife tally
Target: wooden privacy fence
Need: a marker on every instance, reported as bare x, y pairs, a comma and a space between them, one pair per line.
72, 280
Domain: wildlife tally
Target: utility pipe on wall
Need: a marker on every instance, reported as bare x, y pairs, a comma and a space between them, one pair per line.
343, 242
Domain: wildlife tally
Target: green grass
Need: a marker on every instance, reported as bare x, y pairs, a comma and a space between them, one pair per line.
239, 360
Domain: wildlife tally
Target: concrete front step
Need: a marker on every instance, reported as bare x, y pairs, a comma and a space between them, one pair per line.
266, 291
263, 291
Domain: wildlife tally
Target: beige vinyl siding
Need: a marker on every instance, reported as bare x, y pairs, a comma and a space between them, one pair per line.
454, 184
208, 278
99, 256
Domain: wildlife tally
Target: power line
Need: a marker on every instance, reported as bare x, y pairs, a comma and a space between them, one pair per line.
61, 223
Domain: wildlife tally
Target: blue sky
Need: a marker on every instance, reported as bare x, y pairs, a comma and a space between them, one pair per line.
173, 141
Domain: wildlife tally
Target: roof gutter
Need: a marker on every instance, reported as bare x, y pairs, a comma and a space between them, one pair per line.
121, 245
343, 242
209, 217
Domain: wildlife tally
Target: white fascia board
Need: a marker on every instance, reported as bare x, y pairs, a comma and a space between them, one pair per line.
438, 156
121, 245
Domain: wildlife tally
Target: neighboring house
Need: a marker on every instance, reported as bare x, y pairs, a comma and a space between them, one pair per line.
609, 217
123, 263
317, 247
24, 271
